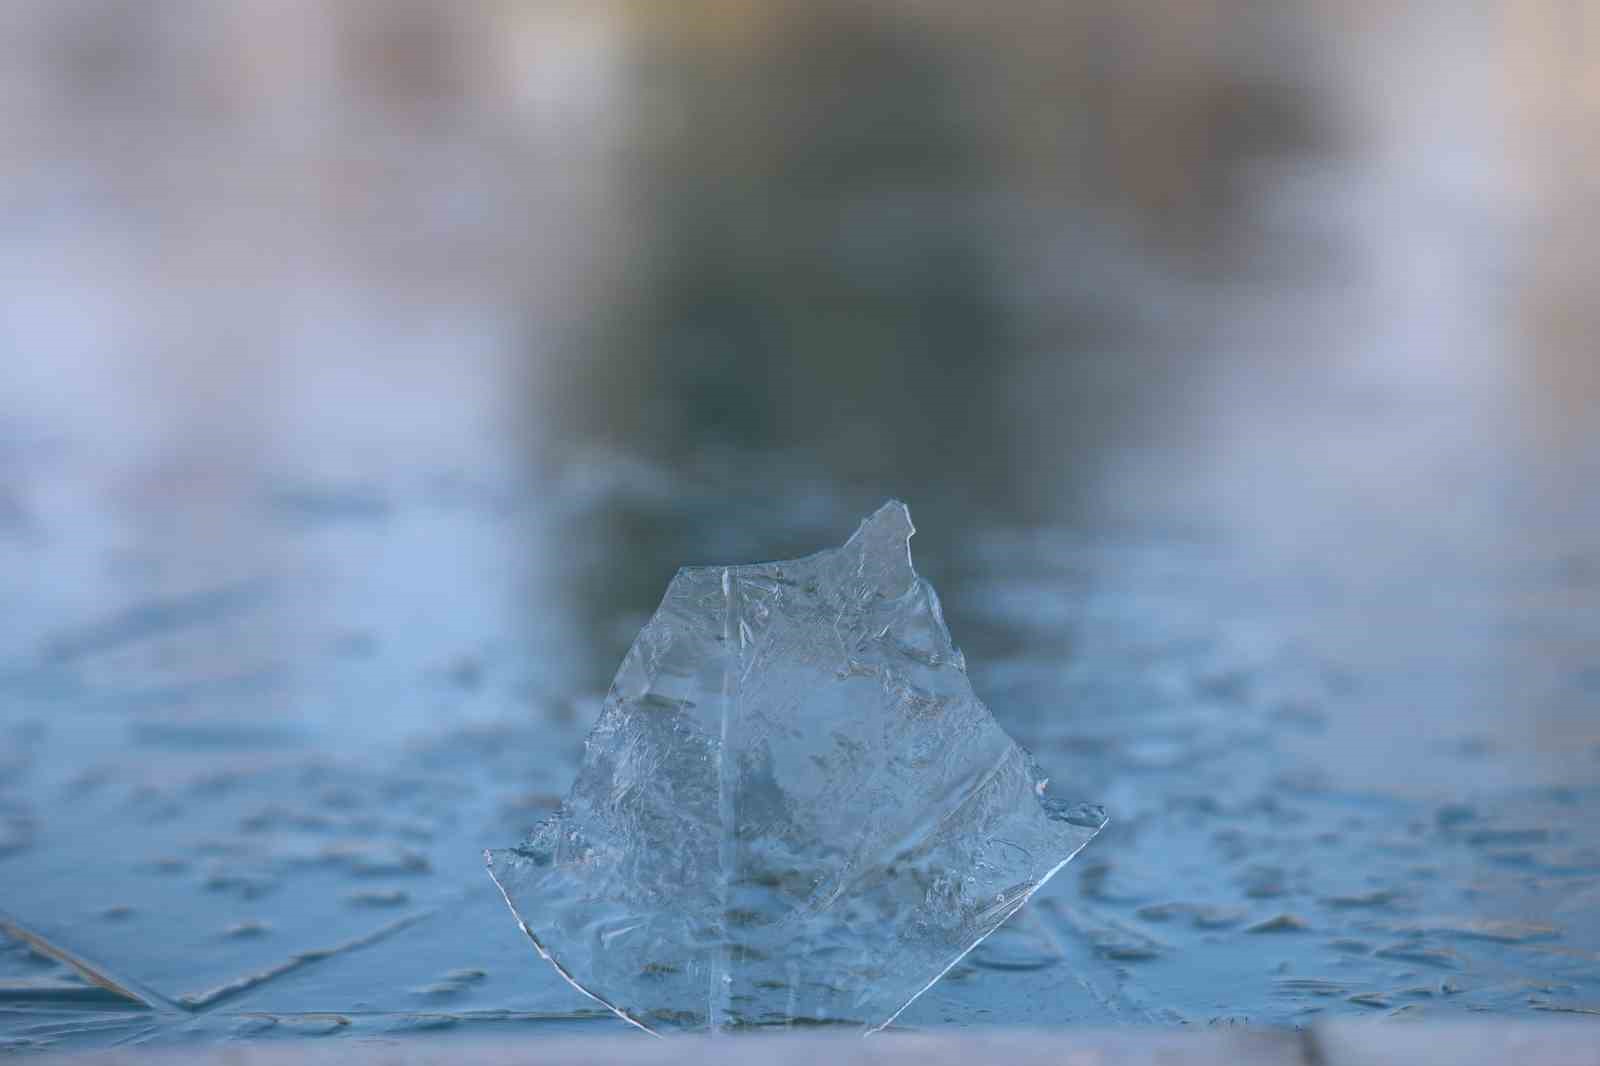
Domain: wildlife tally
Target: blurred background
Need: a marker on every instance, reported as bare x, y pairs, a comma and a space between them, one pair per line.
366, 369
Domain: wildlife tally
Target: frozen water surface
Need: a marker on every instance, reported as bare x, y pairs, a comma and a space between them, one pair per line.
793, 807
259, 813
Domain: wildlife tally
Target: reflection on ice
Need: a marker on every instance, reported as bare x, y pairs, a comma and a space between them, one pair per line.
793, 807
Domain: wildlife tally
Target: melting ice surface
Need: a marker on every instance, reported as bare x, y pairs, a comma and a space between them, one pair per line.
793, 807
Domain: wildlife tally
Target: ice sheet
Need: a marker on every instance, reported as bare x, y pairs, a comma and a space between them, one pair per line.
793, 808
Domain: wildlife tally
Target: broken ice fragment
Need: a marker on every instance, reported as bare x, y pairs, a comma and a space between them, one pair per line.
792, 808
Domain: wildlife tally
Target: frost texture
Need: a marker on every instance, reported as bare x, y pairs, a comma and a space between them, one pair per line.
793, 808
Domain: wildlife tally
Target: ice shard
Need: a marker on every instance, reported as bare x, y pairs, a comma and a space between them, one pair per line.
793, 808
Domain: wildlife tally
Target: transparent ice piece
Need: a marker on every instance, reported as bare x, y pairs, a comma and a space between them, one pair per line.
793, 809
